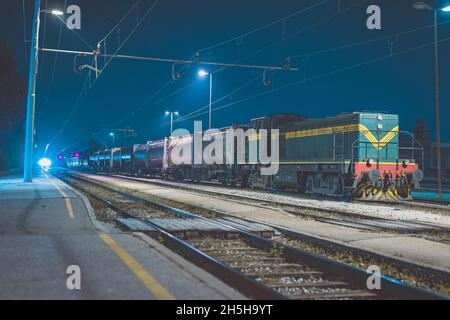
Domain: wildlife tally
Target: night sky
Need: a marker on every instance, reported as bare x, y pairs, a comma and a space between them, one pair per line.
328, 83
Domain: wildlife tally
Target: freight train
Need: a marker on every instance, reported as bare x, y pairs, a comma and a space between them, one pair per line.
354, 154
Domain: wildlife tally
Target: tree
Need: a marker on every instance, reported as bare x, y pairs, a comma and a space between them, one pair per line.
94, 145
421, 132
12, 109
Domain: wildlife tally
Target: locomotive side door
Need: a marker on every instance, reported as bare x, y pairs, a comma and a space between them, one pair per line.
338, 146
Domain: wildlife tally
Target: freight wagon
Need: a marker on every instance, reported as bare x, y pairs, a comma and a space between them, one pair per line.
355, 154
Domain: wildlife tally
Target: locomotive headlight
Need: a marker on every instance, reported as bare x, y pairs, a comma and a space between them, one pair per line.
45, 163
370, 162
406, 163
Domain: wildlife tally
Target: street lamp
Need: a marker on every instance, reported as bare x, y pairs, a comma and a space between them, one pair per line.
424, 6
57, 12
176, 113
203, 74
111, 134
31, 98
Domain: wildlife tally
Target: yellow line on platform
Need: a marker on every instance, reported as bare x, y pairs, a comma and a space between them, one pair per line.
67, 199
69, 208
150, 283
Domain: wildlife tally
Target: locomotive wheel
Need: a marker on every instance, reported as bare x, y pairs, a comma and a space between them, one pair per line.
403, 192
340, 187
358, 193
178, 176
259, 182
404, 182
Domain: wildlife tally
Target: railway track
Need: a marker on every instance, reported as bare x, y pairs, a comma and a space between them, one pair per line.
419, 202
439, 203
332, 216
243, 255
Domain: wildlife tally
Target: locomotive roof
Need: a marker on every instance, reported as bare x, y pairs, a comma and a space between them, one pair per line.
335, 120
280, 115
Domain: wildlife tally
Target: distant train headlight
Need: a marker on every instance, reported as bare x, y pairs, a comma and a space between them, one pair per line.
406, 163
45, 162
370, 162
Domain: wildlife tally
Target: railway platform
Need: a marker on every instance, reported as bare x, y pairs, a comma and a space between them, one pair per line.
53, 248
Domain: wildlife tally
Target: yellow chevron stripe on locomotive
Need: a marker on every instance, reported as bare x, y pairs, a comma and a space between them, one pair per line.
378, 144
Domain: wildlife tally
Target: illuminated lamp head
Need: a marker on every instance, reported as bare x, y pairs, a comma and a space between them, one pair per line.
406, 163
370, 162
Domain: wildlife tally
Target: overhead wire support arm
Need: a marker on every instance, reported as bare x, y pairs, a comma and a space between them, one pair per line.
96, 53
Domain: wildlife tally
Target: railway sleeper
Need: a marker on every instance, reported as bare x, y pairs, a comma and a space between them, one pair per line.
195, 234
240, 249
343, 295
274, 269
283, 273
312, 284
269, 265
232, 260
201, 244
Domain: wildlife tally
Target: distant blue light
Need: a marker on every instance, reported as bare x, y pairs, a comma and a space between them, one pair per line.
45, 163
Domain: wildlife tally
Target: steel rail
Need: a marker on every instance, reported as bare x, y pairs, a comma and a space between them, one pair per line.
238, 280
277, 203
392, 288
433, 204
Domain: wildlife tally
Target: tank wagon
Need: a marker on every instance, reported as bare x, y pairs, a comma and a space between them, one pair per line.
227, 174
77, 162
148, 158
356, 154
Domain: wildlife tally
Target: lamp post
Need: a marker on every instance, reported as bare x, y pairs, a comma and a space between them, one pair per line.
31, 98
203, 73
171, 119
111, 134
424, 6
